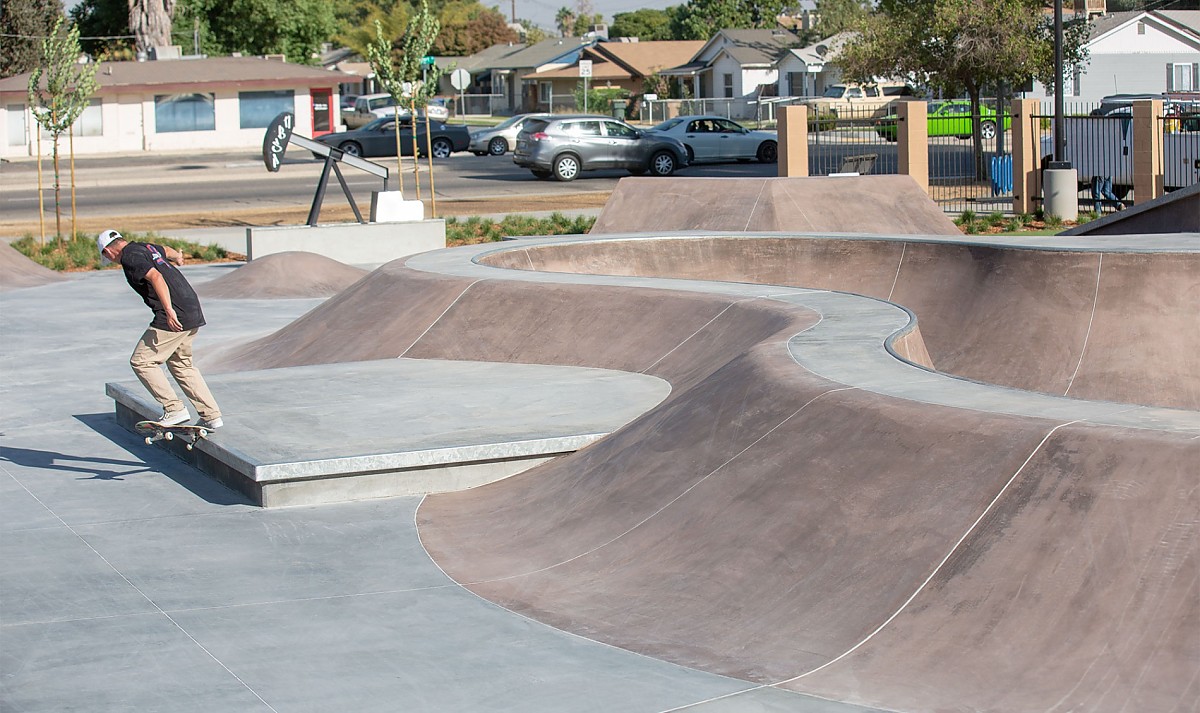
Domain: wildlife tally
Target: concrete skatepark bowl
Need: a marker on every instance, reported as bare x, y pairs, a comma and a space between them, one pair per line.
885, 473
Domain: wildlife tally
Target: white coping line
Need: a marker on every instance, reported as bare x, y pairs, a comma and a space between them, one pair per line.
896, 279
439, 317
757, 200
674, 500
135, 588
1087, 337
675, 348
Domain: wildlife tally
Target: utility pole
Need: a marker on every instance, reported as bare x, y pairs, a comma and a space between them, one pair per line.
514, 11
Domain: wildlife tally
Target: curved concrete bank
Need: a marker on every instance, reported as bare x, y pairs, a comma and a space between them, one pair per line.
806, 511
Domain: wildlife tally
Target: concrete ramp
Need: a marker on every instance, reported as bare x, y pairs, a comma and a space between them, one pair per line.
879, 205
1174, 212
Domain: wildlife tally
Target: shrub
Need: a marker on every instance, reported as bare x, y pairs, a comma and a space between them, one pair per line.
79, 253
482, 230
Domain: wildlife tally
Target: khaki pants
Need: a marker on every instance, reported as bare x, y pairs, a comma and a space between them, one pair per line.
157, 347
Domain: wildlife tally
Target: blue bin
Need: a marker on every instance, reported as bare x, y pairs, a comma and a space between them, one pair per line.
1002, 175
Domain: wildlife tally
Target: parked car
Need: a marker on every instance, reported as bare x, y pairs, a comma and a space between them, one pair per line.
564, 146
370, 107
347, 102
379, 138
715, 138
501, 138
858, 100
950, 118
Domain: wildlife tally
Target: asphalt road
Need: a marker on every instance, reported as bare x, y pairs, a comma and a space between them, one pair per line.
229, 184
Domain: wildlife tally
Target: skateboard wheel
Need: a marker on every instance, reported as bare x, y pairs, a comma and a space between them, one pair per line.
149, 441
169, 436
203, 433
189, 446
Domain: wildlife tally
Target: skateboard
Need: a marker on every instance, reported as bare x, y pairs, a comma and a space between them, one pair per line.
155, 431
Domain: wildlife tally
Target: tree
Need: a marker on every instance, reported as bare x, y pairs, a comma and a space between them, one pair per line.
838, 15
583, 23
701, 19
60, 88
108, 22
532, 33
468, 27
150, 22
960, 46
564, 21
295, 29
392, 21
645, 24
24, 23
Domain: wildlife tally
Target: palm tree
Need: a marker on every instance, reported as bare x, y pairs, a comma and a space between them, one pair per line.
565, 21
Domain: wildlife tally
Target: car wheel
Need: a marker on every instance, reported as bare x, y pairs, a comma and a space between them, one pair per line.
497, 146
768, 152
351, 148
442, 148
566, 167
987, 129
663, 163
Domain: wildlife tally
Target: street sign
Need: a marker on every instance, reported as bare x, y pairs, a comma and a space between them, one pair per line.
460, 79
428, 61
585, 67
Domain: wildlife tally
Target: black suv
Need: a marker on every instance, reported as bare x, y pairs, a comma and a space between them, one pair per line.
563, 146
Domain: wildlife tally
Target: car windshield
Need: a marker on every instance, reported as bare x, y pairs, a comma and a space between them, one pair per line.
668, 124
509, 121
834, 92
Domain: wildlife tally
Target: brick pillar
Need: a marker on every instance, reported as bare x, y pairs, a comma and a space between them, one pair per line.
912, 141
793, 141
1027, 150
1147, 150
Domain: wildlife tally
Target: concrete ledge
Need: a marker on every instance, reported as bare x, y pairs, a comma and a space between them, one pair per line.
337, 432
349, 243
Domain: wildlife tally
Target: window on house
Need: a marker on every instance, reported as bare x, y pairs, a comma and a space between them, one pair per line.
728, 84
184, 112
795, 84
89, 123
257, 109
1182, 77
16, 124
545, 92
1141, 28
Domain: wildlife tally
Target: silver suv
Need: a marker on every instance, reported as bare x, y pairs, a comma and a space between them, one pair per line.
563, 146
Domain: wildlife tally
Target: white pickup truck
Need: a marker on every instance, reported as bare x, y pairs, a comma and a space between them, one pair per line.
370, 107
1103, 146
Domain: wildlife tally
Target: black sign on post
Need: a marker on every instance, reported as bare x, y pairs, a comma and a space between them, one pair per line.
276, 140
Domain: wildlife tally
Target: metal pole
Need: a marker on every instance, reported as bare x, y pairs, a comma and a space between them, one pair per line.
1060, 139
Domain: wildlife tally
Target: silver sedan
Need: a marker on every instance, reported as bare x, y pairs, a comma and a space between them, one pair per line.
500, 138
715, 138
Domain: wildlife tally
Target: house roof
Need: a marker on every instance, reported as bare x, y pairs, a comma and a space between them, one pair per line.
627, 60
484, 58
820, 52
750, 46
1185, 20
211, 71
543, 52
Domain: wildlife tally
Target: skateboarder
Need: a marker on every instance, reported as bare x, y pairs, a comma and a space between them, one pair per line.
152, 273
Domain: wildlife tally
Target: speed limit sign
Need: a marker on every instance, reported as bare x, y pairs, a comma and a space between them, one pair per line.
585, 67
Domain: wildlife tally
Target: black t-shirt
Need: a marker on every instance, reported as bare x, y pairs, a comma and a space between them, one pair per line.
140, 258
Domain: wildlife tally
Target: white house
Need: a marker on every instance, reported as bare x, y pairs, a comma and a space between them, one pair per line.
806, 71
1151, 52
181, 105
734, 64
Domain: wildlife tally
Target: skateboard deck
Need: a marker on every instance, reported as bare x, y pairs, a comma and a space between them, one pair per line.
155, 431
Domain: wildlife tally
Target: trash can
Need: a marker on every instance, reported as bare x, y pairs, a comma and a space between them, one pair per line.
618, 108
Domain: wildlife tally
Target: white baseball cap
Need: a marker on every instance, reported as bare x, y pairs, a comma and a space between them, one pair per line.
103, 239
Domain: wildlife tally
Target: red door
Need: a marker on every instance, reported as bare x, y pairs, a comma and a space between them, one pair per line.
322, 111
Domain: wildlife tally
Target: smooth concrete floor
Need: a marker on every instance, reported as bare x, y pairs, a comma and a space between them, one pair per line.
130, 582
